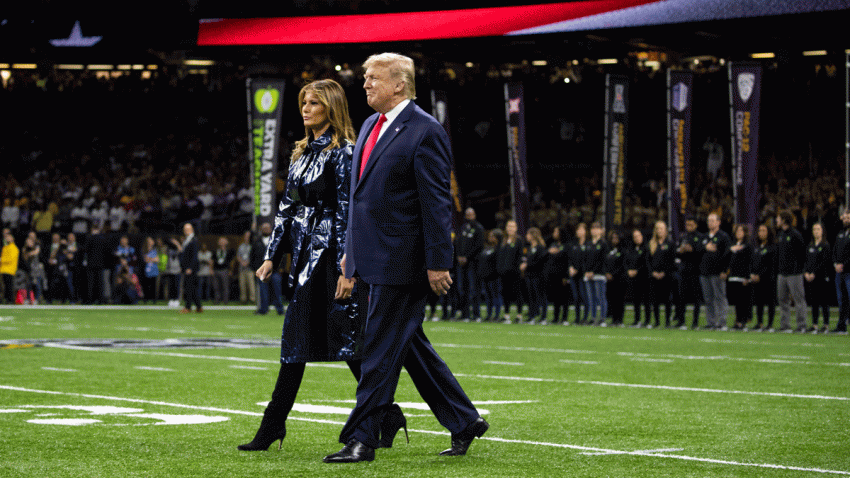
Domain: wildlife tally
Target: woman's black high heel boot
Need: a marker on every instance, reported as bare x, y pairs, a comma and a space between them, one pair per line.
392, 422
273, 426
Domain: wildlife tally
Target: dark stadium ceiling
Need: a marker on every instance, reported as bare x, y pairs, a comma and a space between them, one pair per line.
161, 29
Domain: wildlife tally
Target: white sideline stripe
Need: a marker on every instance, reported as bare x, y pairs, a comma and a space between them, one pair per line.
493, 362
606, 451
657, 387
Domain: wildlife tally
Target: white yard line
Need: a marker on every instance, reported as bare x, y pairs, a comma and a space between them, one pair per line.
605, 451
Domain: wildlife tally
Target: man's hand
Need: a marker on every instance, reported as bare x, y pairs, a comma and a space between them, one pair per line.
343, 288
440, 281
265, 271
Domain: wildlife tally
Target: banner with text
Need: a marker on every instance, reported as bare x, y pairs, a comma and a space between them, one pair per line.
744, 101
440, 110
515, 115
679, 107
265, 102
616, 138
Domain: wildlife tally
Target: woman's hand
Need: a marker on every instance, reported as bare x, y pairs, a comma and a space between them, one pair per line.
343, 288
264, 273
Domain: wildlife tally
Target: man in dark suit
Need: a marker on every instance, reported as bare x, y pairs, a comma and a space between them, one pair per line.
399, 243
189, 264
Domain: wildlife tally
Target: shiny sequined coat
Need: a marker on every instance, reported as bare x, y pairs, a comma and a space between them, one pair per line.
310, 224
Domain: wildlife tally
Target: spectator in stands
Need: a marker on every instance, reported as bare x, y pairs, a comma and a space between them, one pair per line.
491, 286
531, 268
712, 269
151, 270
738, 285
577, 250
594, 275
637, 276
790, 256
840, 258
9, 257
817, 272
661, 264
508, 259
126, 252
172, 275
615, 277
689, 289
11, 213
470, 242
247, 284
189, 267
222, 262
763, 278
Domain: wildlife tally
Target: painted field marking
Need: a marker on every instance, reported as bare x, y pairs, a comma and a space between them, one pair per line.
153, 369
247, 367
493, 362
663, 450
580, 362
652, 454
54, 369
657, 387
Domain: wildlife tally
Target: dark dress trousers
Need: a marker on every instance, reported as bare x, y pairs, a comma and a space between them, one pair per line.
400, 226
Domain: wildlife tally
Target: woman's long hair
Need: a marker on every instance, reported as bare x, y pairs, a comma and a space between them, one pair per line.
331, 95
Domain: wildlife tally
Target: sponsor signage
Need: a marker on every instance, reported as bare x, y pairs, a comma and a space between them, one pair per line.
679, 107
264, 107
515, 115
744, 100
616, 137
440, 111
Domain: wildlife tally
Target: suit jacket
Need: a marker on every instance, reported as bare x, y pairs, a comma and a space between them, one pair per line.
189, 257
400, 208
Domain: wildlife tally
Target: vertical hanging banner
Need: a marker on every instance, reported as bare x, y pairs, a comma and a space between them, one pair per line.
744, 104
440, 110
265, 102
679, 107
616, 136
515, 115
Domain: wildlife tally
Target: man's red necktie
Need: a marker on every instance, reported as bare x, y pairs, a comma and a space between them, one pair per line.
370, 144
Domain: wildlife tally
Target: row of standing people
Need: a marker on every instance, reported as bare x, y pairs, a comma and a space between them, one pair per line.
597, 275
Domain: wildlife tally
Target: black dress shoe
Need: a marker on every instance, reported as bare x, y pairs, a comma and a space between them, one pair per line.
352, 452
392, 422
462, 440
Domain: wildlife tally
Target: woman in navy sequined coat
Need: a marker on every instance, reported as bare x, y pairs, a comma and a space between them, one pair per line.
326, 315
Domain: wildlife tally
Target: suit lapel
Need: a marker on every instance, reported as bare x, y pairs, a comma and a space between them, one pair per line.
396, 127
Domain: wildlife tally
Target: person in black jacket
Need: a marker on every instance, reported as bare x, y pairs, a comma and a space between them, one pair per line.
98, 270
267, 292
488, 277
594, 275
840, 257
189, 265
816, 272
790, 255
470, 241
508, 259
532, 269
576, 252
556, 276
738, 282
688, 259
712, 273
763, 278
637, 277
661, 262
615, 277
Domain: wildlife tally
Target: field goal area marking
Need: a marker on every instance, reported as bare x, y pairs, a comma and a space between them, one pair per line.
584, 449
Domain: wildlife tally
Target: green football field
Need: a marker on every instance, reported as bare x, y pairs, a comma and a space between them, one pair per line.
109, 392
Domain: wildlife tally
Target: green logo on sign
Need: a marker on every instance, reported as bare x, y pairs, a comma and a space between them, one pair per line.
266, 100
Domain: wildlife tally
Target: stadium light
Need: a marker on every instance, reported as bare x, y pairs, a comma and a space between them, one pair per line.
607, 61
815, 53
69, 67
539, 63
100, 67
759, 56
23, 66
199, 62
